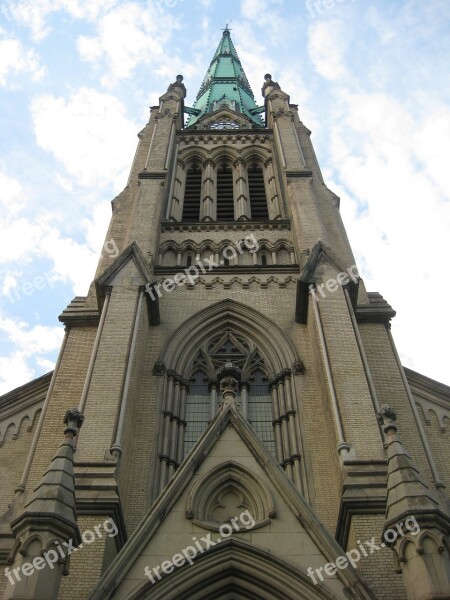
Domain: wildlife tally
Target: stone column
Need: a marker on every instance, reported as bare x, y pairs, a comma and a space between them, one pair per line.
176, 208
273, 202
208, 207
242, 194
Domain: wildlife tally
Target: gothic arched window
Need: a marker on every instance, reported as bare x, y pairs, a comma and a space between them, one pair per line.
204, 398
198, 409
259, 409
257, 193
192, 194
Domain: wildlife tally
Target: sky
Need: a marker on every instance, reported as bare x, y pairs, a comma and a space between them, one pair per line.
77, 77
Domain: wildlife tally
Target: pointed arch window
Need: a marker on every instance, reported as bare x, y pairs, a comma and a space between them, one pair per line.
225, 197
259, 409
198, 409
257, 193
192, 194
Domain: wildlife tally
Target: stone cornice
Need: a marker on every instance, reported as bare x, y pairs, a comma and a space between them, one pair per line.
377, 311
232, 270
78, 314
278, 225
22, 402
363, 492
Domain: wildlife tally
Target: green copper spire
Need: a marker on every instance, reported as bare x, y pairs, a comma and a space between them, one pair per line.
225, 86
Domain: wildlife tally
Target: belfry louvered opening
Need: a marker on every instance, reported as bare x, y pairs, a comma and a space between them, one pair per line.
257, 192
192, 194
225, 199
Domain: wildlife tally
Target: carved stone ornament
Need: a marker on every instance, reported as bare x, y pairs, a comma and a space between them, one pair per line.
159, 368
74, 420
387, 418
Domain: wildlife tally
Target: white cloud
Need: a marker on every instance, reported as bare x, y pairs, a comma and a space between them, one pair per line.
16, 59
11, 198
89, 133
327, 44
35, 13
14, 371
395, 211
9, 283
30, 343
129, 36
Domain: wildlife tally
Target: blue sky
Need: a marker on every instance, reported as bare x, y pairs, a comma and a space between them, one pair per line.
76, 79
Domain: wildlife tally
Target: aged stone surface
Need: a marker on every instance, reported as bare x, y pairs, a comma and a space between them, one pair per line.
232, 251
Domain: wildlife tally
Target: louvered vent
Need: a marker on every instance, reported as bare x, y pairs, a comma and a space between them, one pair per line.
192, 195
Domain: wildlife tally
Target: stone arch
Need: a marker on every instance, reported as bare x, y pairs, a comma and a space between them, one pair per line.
252, 154
190, 156
278, 349
278, 356
235, 569
207, 495
224, 153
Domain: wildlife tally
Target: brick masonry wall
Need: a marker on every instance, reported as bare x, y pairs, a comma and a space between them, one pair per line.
390, 390
377, 569
86, 564
13, 455
439, 440
66, 394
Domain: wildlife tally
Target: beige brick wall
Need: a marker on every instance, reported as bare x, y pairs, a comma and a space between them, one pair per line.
438, 437
86, 564
13, 455
377, 569
390, 390
66, 394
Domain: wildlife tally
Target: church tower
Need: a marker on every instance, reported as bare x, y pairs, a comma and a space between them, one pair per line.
229, 387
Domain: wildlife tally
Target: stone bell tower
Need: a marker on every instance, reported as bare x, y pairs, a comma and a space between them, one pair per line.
233, 374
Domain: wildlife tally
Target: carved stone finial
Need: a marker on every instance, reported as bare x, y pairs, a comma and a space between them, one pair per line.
298, 367
229, 376
159, 368
74, 420
387, 418
269, 85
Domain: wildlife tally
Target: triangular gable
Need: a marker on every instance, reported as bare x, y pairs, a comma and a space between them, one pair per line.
167, 529
134, 253
320, 253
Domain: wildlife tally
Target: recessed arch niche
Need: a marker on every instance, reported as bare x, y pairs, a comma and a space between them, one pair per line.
226, 492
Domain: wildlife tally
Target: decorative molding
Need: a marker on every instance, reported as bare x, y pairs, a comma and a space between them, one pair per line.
22, 403
112, 578
152, 175
319, 253
190, 245
276, 225
77, 314
378, 310
294, 174
432, 397
207, 497
97, 493
363, 492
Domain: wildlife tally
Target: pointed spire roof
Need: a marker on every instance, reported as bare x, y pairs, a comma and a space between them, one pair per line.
53, 499
226, 85
407, 492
